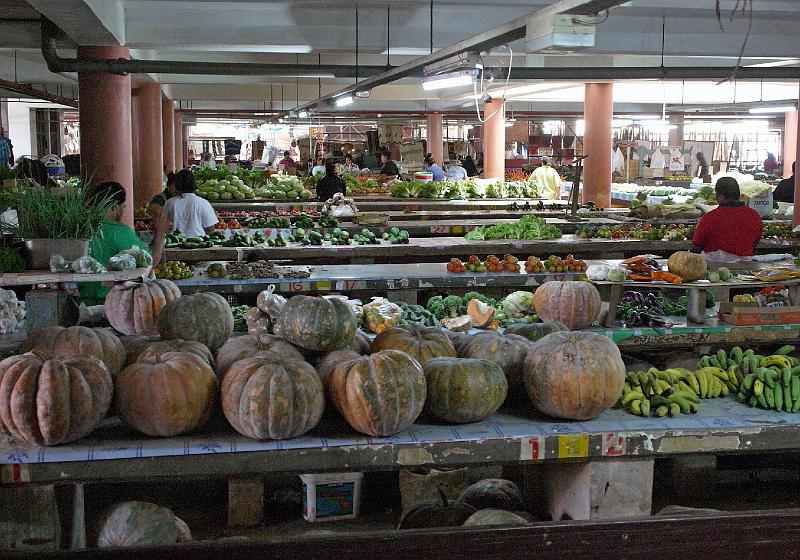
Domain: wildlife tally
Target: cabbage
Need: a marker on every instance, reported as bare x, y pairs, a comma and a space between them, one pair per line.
518, 304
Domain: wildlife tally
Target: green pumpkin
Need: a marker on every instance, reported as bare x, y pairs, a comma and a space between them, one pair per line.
205, 318
493, 493
494, 517
462, 390
316, 323
137, 524
535, 331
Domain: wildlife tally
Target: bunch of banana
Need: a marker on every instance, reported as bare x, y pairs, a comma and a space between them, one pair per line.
659, 393
775, 386
742, 363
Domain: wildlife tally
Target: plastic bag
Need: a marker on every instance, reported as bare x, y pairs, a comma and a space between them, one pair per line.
257, 321
380, 314
122, 262
270, 303
355, 304
87, 265
59, 264
94, 315
142, 257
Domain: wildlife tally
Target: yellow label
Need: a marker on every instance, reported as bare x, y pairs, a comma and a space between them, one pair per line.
570, 446
324, 285
457, 229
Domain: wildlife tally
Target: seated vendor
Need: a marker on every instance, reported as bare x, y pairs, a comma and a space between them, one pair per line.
733, 227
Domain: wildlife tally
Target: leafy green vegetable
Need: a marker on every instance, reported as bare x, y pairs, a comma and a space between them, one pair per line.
11, 260
527, 227
436, 306
454, 306
518, 304
469, 296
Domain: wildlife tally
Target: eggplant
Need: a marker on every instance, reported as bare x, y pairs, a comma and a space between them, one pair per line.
635, 298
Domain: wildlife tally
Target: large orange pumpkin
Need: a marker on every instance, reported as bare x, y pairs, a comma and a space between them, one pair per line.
574, 375
687, 265
155, 349
136, 344
331, 361
169, 394
245, 346
133, 307
380, 394
265, 399
575, 304
48, 402
97, 342
420, 342
506, 350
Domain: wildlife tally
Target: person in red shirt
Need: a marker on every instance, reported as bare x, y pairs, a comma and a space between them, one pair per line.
733, 227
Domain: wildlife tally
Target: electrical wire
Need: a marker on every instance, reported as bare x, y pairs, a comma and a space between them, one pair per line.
483, 90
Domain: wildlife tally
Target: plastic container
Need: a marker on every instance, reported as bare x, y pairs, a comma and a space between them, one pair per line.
423, 176
331, 496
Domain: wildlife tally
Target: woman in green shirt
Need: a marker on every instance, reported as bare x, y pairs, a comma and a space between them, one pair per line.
113, 237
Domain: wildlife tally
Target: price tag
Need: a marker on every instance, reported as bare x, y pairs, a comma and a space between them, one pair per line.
351, 285
237, 288
323, 285
457, 229
439, 229
295, 287
425, 217
573, 445
613, 445
531, 449
15, 473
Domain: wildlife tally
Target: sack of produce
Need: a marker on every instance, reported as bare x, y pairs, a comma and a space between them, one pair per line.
270, 303
380, 314
122, 262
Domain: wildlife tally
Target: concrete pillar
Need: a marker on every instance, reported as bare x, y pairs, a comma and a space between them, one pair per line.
598, 114
435, 142
178, 135
185, 148
105, 115
150, 155
789, 142
494, 139
796, 218
676, 134
168, 127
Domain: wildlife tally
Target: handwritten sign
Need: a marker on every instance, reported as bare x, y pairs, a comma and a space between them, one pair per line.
573, 446
531, 449
613, 445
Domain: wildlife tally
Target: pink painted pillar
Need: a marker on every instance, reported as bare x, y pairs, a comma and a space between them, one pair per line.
168, 127
150, 156
494, 139
789, 142
435, 140
178, 135
598, 114
796, 218
185, 148
105, 116
676, 134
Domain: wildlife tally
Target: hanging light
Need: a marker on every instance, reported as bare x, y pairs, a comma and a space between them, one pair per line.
344, 101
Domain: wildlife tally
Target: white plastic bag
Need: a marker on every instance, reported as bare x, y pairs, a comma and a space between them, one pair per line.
270, 303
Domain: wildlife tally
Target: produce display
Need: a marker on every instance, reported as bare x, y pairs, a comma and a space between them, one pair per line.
175, 239
463, 390
555, 264
222, 184
98, 343
174, 270
667, 232
575, 304
417, 314
133, 307
466, 189
527, 227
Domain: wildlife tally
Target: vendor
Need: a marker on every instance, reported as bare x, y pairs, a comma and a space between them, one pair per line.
469, 165
389, 169
288, 163
319, 168
113, 237
208, 161
456, 173
784, 192
436, 171
191, 215
156, 205
702, 165
349, 167
548, 180
733, 227
330, 184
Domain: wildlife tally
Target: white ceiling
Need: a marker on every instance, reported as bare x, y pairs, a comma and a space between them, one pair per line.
309, 32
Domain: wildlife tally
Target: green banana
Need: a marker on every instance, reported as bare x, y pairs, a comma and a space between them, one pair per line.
785, 350
722, 358
754, 362
632, 396
795, 388
769, 379
658, 400
693, 382
674, 409
762, 401
663, 375
736, 355
769, 397
703, 381
681, 385
786, 377
747, 382
645, 408
704, 362
662, 411
741, 397
796, 405
714, 362
787, 399
778, 397
724, 390
682, 403
691, 397
758, 387
754, 401
636, 407
749, 352
796, 370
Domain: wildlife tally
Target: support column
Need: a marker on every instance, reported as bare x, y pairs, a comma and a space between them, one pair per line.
168, 127
796, 218
598, 113
435, 143
676, 134
186, 129
105, 115
789, 142
494, 139
178, 135
150, 156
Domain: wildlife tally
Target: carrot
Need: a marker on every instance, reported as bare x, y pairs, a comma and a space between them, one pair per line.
667, 277
635, 260
644, 268
641, 277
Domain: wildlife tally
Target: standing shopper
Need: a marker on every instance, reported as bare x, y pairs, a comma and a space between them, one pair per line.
784, 192
548, 179
389, 169
330, 184
6, 150
191, 215
702, 165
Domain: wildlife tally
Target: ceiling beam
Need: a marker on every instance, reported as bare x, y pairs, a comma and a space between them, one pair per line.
25, 89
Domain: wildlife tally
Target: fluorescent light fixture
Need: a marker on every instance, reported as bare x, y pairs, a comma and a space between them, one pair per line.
344, 101
280, 120
621, 123
303, 114
510, 123
448, 80
645, 117
769, 110
410, 51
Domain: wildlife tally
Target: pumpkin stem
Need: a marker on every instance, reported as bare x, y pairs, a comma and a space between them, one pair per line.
39, 354
442, 496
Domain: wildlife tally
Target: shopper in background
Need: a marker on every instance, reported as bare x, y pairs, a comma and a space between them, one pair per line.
208, 161
456, 173
288, 163
389, 169
6, 150
548, 180
113, 237
330, 184
231, 163
156, 205
733, 227
191, 215
770, 164
784, 192
319, 168
469, 165
702, 165
436, 171
349, 166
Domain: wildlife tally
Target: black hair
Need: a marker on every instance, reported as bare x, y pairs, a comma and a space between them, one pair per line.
330, 168
286, 153
429, 159
170, 179
348, 156
106, 190
728, 188
185, 182
387, 154
793, 164
701, 158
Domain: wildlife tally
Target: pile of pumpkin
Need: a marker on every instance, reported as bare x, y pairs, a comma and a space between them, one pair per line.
170, 384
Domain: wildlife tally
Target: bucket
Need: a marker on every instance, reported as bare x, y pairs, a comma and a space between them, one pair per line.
423, 176
39, 251
331, 496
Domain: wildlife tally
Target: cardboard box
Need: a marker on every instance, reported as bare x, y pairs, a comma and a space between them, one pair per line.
749, 314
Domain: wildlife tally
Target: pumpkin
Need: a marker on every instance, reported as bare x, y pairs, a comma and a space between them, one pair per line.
442, 514
205, 318
318, 324
687, 265
245, 346
155, 349
380, 394
136, 344
480, 313
184, 533
137, 524
97, 342
133, 307
494, 517
574, 375
53, 401
169, 394
575, 304
267, 399
493, 493
332, 360
535, 331
360, 343
462, 390
457, 338
508, 351
418, 341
